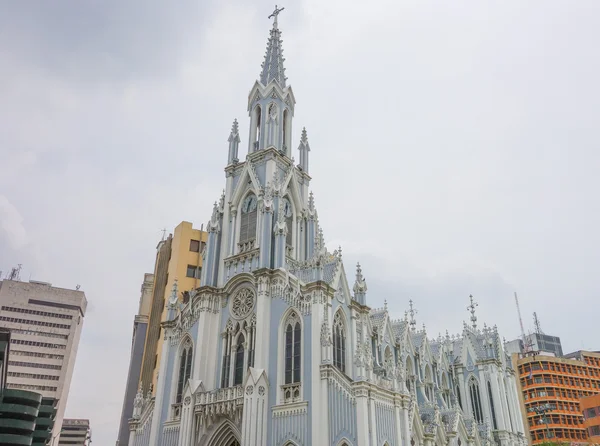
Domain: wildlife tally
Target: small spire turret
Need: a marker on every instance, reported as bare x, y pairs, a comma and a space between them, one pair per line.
234, 142
360, 286
304, 149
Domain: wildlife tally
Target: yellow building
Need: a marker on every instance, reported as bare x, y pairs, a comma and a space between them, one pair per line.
178, 257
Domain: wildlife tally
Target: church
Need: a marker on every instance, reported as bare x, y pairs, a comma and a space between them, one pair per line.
277, 348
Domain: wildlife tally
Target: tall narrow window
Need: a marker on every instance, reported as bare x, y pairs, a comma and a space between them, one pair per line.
489, 388
258, 119
251, 346
226, 361
475, 400
293, 334
289, 215
248, 219
239, 362
285, 130
339, 342
185, 370
458, 397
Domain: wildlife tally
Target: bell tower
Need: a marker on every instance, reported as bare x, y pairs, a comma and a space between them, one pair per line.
271, 102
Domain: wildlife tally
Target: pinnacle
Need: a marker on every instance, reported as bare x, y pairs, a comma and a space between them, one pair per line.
304, 138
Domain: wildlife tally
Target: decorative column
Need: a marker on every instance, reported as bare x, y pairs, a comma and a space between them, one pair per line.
263, 324
280, 231
372, 418
361, 393
155, 428
266, 228
310, 229
254, 418
210, 263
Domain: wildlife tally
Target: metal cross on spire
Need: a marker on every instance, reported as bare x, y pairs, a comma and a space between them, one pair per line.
412, 312
471, 309
274, 15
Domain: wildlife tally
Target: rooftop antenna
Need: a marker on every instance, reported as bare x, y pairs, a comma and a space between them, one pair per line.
164, 234
15, 273
526, 344
537, 324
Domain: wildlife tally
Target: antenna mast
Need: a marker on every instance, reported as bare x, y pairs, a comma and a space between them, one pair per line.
525, 343
536, 324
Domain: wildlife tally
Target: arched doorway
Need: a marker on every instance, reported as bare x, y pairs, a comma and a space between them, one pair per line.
224, 435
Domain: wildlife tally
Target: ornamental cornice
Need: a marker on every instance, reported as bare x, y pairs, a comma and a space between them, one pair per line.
284, 410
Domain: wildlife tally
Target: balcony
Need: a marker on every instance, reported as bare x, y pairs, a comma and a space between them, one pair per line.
228, 401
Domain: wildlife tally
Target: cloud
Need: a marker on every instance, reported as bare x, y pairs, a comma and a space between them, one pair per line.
454, 152
11, 222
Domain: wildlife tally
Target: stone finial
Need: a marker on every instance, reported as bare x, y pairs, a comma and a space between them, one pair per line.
304, 137
412, 311
385, 305
311, 201
471, 309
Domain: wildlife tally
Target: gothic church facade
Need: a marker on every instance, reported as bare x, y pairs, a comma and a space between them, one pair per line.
276, 348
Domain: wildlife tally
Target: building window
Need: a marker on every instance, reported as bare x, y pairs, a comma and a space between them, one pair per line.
193, 271
339, 342
195, 245
226, 361
590, 413
248, 219
458, 398
185, 369
239, 362
490, 396
594, 431
293, 333
475, 400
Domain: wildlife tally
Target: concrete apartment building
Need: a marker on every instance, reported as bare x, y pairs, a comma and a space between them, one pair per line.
178, 258
75, 432
551, 389
45, 324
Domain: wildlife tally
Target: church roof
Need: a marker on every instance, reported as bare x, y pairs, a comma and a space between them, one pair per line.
417, 338
399, 328
378, 318
272, 67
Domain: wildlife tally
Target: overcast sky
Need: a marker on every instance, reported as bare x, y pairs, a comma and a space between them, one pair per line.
455, 150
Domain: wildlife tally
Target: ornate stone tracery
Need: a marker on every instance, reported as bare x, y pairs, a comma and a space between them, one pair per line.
242, 303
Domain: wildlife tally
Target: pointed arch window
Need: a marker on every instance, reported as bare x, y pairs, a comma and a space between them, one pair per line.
293, 333
256, 130
248, 219
475, 400
489, 389
226, 366
238, 376
339, 342
288, 213
458, 397
185, 370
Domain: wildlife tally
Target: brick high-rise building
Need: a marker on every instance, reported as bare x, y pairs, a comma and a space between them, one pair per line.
553, 386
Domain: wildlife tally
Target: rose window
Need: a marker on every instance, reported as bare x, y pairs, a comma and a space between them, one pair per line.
242, 304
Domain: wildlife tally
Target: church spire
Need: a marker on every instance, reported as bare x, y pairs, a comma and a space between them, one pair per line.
234, 142
272, 67
304, 148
